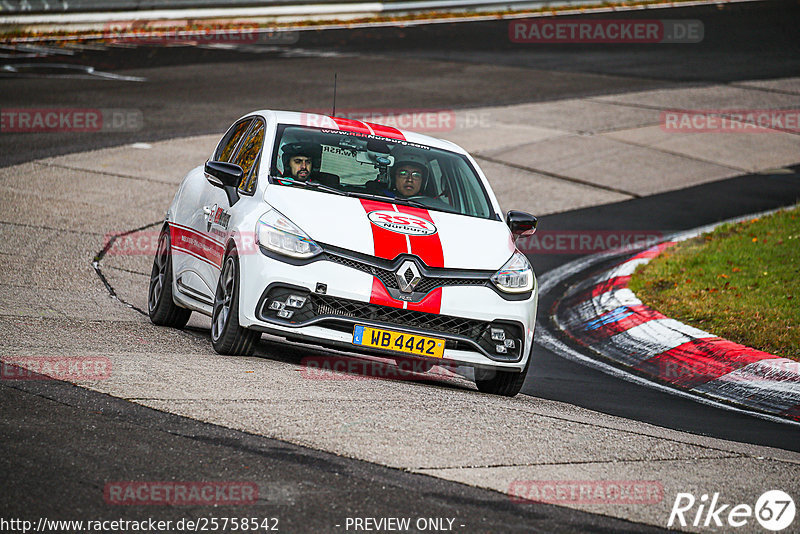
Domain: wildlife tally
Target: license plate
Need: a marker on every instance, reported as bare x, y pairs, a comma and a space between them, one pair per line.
398, 341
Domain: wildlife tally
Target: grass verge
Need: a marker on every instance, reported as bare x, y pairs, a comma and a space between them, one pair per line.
740, 282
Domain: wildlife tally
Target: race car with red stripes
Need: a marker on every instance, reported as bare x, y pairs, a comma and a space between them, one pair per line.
353, 236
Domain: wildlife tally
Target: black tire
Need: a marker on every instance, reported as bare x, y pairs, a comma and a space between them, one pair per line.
504, 383
227, 337
160, 305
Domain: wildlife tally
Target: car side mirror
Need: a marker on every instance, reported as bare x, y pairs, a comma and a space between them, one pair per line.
520, 223
226, 176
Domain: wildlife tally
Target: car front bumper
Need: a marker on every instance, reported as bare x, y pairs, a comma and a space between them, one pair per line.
466, 314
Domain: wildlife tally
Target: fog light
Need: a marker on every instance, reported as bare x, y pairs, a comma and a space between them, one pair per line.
500, 349
295, 301
498, 334
276, 305
509, 343
285, 314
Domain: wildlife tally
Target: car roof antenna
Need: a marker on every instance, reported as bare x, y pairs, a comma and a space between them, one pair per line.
333, 113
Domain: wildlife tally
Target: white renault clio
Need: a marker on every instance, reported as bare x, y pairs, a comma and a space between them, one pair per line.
350, 235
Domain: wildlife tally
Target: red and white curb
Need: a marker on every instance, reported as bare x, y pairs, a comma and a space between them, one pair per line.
604, 315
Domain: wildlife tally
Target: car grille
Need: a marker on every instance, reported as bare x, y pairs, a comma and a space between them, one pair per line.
340, 314
387, 276
339, 307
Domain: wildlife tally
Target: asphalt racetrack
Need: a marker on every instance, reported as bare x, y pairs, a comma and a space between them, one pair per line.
61, 443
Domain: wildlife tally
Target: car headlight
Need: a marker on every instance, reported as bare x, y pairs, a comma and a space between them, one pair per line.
277, 233
516, 276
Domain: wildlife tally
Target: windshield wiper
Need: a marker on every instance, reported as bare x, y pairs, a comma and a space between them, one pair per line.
313, 185
383, 198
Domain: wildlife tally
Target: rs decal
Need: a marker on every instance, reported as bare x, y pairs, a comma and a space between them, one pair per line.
402, 223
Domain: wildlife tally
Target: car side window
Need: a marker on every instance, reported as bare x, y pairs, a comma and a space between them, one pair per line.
227, 147
436, 185
248, 155
467, 193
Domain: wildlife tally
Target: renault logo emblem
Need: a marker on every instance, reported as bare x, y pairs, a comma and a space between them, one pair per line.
407, 276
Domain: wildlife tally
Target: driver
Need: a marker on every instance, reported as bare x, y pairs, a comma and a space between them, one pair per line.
298, 161
410, 174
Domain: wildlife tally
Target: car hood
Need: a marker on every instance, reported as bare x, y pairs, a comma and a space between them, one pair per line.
385, 230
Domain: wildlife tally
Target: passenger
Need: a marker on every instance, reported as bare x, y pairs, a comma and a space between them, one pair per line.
410, 175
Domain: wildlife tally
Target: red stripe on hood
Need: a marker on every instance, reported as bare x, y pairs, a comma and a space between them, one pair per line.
432, 302
382, 297
351, 125
388, 244
427, 247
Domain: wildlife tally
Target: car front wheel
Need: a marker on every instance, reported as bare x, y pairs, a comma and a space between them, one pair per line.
496, 382
227, 337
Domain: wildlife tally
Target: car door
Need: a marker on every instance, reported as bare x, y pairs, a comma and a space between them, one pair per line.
216, 209
205, 238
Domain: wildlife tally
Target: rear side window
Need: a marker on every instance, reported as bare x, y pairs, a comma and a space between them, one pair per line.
227, 147
248, 155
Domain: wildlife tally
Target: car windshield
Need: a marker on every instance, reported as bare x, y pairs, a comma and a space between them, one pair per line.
390, 170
